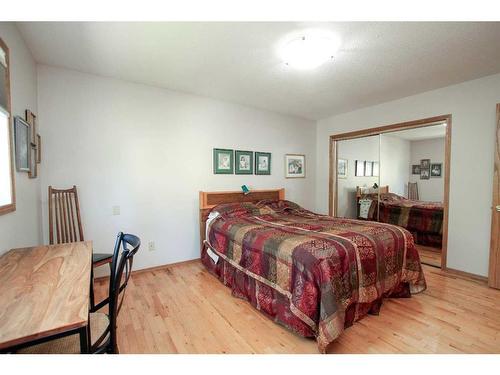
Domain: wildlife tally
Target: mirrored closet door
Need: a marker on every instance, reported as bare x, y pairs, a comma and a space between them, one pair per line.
396, 177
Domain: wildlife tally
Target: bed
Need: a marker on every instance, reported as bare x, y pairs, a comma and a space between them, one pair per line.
314, 274
423, 219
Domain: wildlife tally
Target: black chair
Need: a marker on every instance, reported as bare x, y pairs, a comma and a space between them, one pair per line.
102, 326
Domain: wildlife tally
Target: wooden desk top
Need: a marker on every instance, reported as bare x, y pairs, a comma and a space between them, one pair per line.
44, 290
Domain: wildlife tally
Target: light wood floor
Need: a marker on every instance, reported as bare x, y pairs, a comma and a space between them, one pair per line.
184, 309
429, 255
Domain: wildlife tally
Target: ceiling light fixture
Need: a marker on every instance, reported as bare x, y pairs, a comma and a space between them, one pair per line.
309, 50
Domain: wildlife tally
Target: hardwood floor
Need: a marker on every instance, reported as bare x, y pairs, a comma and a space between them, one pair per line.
429, 255
184, 309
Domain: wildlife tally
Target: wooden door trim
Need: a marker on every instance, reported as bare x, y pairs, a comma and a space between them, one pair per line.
494, 262
333, 156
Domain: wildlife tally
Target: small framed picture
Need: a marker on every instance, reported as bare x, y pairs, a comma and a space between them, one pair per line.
22, 136
425, 163
368, 168
262, 162
295, 166
342, 165
31, 119
223, 161
376, 169
244, 162
33, 172
415, 169
359, 168
425, 173
38, 149
436, 169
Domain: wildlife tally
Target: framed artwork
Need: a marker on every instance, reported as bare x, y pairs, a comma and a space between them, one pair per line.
436, 169
368, 168
31, 119
22, 136
38, 149
262, 162
425, 163
425, 173
359, 168
342, 165
244, 162
33, 172
376, 169
223, 161
295, 166
415, 169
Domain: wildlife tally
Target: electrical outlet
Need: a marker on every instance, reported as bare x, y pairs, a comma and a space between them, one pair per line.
116, 210
151, 246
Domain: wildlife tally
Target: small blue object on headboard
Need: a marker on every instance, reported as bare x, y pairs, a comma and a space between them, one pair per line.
245, 189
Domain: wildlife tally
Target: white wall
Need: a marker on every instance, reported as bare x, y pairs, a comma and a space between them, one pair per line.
394, 162
434, 149
366, 148
472, 105
149, 151
22, 227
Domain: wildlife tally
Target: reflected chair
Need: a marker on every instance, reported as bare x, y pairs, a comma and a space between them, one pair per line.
103, 326
413, 191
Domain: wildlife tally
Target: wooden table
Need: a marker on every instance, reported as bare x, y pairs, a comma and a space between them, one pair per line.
44, 294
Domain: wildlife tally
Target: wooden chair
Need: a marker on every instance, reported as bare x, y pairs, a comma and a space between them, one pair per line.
103, 337
413, 191
65, 223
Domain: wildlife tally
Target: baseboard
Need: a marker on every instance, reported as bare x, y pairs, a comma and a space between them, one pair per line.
155, 268
468, 275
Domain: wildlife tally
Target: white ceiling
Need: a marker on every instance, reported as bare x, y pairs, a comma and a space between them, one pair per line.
238, 62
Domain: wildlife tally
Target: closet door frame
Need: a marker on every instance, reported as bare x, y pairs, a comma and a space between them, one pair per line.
333, 157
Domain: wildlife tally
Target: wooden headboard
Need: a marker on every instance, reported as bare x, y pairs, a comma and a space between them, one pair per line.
381, 189
210, 199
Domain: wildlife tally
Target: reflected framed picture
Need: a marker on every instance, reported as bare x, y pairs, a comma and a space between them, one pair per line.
436, 169
376, 169
244, 162
359, 168
425, 173
425, 163
368, 168
262, 163
295, 166
22, 136
223, 161
342, 165
415, 169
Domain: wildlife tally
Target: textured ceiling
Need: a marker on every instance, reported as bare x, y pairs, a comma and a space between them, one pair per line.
238, 62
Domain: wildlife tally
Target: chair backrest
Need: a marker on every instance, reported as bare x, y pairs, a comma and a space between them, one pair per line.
413, 191
121, 267
65, 224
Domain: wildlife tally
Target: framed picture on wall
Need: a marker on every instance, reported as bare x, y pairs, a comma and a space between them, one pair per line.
223, 161
425, 163
262, 163
342, 165
243, 162
415, 169
359, 168
376, 169
368, 168
425, 173
22, 136
436, 169
295, 166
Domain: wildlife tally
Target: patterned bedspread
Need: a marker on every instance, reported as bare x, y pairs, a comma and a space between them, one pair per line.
423, 219
324, 266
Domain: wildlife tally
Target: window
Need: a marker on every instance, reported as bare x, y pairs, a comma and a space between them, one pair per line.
7, 194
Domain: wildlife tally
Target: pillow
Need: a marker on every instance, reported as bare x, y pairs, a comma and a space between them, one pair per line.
239, 209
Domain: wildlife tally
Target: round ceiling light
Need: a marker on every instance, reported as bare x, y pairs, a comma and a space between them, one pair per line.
309, 50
